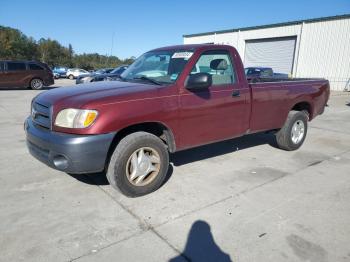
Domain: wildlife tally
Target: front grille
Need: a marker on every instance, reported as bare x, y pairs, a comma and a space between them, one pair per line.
41, 115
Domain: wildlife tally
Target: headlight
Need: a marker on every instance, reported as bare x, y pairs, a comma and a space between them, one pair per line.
75, 118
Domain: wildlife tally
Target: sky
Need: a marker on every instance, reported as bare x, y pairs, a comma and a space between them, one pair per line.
138, 26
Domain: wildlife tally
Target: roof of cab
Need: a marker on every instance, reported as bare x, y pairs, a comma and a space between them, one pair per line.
189, 47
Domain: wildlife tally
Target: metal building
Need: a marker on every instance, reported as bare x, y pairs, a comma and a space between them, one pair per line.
308, 48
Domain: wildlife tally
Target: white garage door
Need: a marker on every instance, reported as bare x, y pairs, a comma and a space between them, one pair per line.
277, 53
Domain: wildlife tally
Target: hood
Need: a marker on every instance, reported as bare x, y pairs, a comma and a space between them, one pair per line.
97, 93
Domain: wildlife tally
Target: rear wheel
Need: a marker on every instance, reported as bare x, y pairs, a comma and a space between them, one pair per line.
139, 164
292, 135
36, 84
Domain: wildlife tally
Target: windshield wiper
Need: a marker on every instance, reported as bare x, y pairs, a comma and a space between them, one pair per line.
147, 79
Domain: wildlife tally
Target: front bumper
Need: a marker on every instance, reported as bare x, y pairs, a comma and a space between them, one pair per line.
68, 152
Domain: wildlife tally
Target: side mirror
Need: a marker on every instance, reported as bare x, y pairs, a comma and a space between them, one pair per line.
199, 81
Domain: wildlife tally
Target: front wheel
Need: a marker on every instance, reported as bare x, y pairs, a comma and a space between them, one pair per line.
292, 135
138, 165
36, 84
71, 77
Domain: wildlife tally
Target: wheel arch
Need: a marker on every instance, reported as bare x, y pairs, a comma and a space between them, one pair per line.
156, 128
305, 106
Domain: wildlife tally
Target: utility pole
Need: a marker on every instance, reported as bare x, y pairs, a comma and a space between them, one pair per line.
111, 48
112, 43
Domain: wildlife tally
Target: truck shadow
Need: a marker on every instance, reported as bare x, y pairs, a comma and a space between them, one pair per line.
221, 148
201, 246
194, 154
96, 179
100, 179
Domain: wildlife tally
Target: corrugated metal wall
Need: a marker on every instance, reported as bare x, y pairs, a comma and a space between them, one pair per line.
322, 47
325, 52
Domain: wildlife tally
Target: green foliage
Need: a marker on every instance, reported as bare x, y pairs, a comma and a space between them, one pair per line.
90, 61
14, 45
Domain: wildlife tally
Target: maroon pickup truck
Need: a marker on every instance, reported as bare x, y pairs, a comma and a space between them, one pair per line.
169, 99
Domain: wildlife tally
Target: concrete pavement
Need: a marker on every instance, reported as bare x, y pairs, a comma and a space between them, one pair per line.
240, 200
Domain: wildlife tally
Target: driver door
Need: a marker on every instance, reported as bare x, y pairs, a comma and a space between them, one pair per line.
218, 112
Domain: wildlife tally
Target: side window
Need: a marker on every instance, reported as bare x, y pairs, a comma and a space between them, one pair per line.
35, 67
269, 73
16, 66
2, 68
218, 64
264, 73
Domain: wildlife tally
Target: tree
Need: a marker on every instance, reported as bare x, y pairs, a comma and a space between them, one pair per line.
70, 51
15, 45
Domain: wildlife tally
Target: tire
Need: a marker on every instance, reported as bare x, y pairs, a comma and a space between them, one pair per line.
127, 154
293, 133
36, 84
71, 77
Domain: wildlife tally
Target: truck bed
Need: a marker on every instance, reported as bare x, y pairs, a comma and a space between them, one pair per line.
272, 99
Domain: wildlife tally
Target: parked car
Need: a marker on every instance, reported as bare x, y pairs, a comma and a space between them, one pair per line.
112, 75
56, 75
258, 72
31, 74
281, 75
73, 73
169, 99
60, 71
103, 71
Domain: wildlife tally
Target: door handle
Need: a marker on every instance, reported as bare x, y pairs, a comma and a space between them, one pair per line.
236, 93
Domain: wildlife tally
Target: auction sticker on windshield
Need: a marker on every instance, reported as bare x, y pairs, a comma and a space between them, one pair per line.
184, 55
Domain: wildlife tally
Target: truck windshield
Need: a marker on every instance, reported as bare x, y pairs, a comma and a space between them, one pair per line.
162, 67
